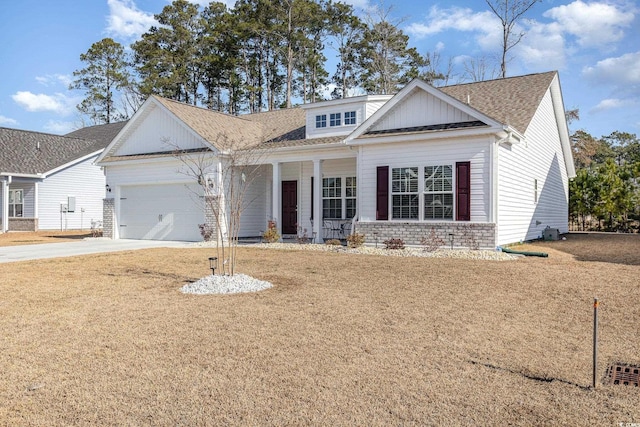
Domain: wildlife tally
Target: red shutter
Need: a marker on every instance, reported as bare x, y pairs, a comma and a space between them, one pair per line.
463, 191
382, 193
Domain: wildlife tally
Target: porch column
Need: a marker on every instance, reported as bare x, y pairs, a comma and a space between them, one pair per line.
5, 204
317, 200
275, 195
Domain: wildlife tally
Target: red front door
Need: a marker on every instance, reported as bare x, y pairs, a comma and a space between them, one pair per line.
289, 207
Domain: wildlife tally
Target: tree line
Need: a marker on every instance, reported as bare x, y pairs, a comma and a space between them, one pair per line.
259, 55
605, 194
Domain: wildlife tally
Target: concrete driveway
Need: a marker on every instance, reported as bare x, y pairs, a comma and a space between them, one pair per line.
81, 247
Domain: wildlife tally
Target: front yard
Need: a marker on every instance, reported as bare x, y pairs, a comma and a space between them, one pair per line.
339, 340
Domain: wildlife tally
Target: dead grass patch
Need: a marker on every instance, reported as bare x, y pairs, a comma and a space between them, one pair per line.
340, 339
14, 238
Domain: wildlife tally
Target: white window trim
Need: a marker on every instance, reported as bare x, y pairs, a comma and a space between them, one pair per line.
14, 204
343, 195
452, 192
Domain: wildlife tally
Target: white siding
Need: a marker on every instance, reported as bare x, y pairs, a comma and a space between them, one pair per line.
85, 182
158, 132
421, 109
541, 159
255, 215
427, 153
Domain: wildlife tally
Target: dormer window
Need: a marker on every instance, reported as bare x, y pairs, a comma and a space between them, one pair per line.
321, 121
350, 118
335, 119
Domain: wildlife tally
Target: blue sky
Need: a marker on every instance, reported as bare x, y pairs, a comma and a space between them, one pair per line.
595, 45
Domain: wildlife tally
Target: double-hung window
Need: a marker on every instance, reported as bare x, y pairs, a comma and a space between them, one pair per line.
321, 121
335, 119
350, 118
331, 197
16, 203
438, 192
350, 196
404, 193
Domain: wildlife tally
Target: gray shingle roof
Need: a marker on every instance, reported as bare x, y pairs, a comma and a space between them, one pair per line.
511, 101
26, 152
102, 134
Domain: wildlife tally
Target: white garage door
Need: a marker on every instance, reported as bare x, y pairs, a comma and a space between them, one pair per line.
160, 212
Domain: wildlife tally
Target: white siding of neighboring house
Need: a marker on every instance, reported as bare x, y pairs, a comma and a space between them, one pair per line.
157, 132
541, 158
85, 182
421, 109
427, 153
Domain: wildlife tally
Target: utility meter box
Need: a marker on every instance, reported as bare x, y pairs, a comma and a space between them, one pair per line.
551, 233
71, 204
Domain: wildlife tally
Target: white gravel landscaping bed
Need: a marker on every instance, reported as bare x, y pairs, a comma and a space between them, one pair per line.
219, 284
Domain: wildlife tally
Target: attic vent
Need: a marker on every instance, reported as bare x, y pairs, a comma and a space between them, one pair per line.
623, 374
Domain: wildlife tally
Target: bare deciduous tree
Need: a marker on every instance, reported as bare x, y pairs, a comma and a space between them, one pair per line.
224, 179
509, 12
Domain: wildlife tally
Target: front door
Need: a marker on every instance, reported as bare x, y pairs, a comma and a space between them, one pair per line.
289, 207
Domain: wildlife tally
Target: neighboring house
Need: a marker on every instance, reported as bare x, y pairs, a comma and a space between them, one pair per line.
487, 161
50, 182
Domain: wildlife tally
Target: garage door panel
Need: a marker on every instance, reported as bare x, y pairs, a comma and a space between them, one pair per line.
161, 212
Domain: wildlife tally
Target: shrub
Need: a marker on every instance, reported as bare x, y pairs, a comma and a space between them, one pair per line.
432, 242
271, 235
302, 236
333, 242
355, 240
394, 244
206, 231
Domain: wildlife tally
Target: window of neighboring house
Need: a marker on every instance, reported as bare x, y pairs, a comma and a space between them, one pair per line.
535, 191
321, 121
404, 193
350, 196
331, 197
16, 203
438, 192
335, 119
350, 118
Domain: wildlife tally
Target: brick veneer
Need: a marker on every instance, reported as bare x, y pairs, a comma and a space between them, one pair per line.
23, 224
413, 232
108, 210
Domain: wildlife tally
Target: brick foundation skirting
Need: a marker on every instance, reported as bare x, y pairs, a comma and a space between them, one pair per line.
463, 234
23, 224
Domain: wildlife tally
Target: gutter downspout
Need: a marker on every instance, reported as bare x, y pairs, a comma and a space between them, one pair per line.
5, 203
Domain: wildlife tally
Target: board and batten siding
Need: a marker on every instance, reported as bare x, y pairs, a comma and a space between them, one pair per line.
541, 158
427, 153
84, 181
421, 109
158, 132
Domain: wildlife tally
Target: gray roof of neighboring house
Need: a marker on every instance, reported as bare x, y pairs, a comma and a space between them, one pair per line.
102, 134
32, 153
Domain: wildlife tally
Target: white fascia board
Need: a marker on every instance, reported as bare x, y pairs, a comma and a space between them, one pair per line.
66, 165
158, 159
406, 91
422, 136
310, 153
563, 128
22, 175
343, 101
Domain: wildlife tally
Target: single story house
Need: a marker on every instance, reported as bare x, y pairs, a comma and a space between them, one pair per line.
480, 164
50, 182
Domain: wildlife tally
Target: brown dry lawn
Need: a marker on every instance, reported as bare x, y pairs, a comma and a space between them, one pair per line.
340, 339
35, 238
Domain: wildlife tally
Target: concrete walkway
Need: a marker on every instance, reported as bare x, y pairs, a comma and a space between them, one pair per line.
81, 247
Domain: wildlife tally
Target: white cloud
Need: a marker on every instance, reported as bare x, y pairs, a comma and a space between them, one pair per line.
54, 79
595, 24
7, 121
455, 18
57, 103
59, 127
126, 20
622, 70
543, 47
612, 103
